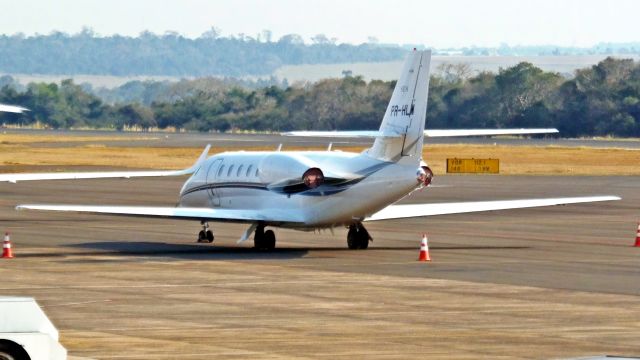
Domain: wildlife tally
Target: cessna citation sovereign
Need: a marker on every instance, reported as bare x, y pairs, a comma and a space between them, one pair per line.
308, 190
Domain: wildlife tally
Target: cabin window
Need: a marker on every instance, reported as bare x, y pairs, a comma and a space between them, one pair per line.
220, 171
239, 170
249, 171
230, 171
257, 172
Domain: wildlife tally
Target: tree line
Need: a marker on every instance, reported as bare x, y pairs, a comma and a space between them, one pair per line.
600, 100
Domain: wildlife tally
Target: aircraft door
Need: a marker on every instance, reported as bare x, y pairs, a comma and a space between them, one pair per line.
214, 193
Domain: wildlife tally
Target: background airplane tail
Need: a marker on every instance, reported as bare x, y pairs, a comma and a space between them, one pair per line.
401, 134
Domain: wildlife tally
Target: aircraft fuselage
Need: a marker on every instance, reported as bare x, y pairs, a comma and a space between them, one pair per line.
348, 187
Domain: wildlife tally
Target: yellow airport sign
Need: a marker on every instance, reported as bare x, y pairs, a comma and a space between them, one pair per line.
473, 166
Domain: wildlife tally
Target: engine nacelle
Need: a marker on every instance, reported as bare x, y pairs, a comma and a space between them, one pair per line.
424, 175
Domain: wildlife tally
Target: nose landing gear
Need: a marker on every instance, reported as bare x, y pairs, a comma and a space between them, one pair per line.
205, 235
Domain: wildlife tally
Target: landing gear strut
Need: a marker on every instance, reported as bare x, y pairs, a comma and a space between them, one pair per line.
205, 235
264, 240
358, 237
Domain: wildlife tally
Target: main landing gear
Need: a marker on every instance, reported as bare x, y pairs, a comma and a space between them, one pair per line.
205, 235
264, 240
358, 237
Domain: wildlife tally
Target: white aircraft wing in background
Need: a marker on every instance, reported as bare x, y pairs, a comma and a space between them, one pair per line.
12, 109
418, 210
342, 134
427, 133
106, 174
486, 132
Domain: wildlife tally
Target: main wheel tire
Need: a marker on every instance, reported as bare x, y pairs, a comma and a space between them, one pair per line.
209, 236
363, 240
258, 241
269, 240
352, 239
202, 236
357, 238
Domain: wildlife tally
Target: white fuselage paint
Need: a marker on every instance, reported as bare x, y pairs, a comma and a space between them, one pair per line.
249, 180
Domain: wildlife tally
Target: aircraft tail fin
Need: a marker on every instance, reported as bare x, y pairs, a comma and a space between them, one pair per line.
402, 129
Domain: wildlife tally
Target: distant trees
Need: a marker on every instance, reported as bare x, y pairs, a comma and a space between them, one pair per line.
175, 55
601, 100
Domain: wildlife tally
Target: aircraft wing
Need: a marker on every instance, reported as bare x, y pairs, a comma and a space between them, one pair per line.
486, 132
186, 213
106, 174
419, 210
12, 109
427, 133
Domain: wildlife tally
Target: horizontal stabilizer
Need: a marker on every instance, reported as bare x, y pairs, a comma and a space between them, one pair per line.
106, 174
486, 132
186, 213
419, 210
341, 134
12, 109
427, 133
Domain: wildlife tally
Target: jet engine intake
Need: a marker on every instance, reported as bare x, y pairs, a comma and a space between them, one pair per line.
313, 178
424, 176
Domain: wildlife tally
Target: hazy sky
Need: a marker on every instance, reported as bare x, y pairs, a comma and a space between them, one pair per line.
440, 23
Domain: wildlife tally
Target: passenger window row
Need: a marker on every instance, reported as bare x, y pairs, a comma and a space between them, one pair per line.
239, 172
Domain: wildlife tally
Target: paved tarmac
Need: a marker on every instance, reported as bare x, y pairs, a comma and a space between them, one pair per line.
539, 283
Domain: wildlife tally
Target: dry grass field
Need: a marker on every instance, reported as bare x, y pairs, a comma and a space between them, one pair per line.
17, 153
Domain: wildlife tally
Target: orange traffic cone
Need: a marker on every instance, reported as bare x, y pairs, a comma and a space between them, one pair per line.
424, 249
6, 247
638, 236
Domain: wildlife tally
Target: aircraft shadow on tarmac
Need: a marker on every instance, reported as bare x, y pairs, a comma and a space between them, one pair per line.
186, 251
216, 252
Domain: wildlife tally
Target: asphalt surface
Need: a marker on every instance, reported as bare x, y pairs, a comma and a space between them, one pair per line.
531, 283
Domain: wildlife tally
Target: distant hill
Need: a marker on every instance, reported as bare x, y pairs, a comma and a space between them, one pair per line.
173, 55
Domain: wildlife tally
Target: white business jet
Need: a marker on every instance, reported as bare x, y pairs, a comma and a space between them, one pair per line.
309, 190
